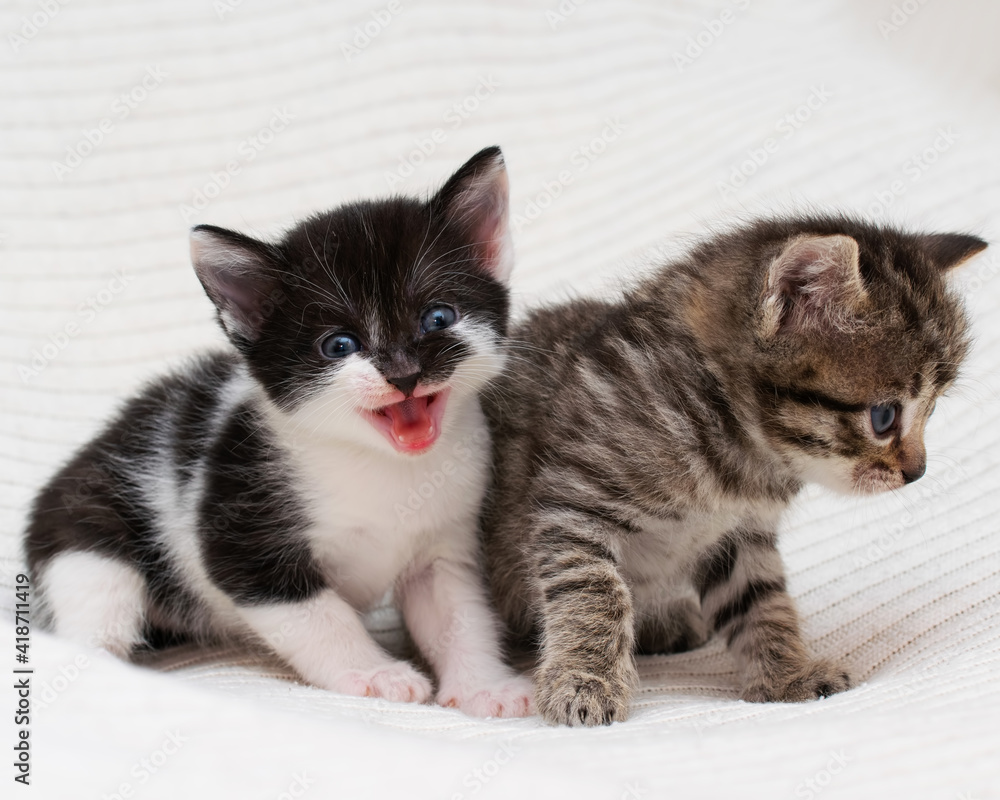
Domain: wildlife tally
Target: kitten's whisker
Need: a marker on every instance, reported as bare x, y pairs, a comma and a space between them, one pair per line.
327, 269
415, 272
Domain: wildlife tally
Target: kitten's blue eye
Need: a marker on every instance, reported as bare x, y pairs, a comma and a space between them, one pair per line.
339, 345
438, 318
883, 418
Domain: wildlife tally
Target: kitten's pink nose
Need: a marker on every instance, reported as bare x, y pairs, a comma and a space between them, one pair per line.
406, 383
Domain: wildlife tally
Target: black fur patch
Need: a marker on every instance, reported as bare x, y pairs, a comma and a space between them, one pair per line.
96, 503
717, 566
812, 397
251, 524
752, 593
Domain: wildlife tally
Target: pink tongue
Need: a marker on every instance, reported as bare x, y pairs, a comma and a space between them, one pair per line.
410, 420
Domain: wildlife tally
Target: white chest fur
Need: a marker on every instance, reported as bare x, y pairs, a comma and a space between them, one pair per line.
659, 561
377, 513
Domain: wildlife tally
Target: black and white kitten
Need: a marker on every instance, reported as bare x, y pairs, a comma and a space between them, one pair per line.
268, 492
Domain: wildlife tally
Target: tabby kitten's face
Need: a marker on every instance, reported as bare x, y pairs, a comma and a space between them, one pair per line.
367, 322
860, 336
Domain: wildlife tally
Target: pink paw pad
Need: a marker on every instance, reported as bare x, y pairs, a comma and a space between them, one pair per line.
397, 682
509, 698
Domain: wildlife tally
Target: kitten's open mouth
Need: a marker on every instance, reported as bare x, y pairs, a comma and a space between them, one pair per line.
412, 425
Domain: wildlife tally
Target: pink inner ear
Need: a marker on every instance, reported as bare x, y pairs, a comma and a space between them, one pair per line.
475, 200
487, 205
819, 280
808, 276
233, 278
491, 233
237, 292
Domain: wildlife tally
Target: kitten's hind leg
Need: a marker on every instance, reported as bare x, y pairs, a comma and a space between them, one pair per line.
324, 639
676, 627
742, 586
94, 599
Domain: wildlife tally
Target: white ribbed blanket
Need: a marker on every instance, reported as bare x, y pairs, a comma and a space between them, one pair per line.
627, 127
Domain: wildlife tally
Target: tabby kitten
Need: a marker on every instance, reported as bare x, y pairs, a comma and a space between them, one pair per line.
646, 447
265, 491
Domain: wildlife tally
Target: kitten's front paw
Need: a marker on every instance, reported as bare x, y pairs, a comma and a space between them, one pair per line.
574, 697
396, 681
816, 679
507, 698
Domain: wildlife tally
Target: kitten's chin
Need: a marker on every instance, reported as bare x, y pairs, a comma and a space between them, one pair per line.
875, 480
411, 426
863, 479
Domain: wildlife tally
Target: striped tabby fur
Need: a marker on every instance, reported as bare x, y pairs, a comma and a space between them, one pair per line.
647, 446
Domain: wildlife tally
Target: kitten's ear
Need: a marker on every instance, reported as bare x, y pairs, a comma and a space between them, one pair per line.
235, 271
814, 283
950, 250
477, 199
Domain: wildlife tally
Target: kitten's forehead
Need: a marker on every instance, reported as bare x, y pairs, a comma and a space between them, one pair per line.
354, 246
885, 359
375, 261
912, 333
